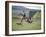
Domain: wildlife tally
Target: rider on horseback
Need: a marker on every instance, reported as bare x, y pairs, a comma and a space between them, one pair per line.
24, 17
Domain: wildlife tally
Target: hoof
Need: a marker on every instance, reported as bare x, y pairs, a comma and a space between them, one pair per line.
29, 21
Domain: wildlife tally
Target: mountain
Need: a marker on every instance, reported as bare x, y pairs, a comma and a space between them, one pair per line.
19, 8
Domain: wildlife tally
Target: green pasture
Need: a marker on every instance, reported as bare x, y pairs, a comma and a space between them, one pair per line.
35, 25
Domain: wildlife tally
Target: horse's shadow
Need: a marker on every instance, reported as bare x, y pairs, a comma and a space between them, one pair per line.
19, 23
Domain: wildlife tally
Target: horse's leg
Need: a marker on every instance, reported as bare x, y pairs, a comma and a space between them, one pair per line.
30, 20
22, 20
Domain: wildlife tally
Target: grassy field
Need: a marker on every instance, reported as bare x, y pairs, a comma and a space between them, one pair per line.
35, 25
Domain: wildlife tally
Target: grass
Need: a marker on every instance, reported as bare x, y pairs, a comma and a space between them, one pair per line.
35, 25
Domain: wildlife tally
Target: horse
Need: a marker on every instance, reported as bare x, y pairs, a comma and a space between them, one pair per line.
28, 19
